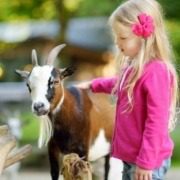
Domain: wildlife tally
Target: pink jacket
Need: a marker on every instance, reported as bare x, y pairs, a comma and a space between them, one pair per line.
141, 135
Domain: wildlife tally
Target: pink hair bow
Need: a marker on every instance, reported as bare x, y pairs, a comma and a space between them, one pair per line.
144, 27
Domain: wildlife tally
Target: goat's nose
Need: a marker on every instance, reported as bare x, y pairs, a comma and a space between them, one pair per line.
38, 106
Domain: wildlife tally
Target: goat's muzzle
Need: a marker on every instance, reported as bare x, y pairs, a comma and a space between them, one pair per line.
39, 109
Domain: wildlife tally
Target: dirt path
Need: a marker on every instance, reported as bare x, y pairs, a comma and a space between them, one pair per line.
173, 174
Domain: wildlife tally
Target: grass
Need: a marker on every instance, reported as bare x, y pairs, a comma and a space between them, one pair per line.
176, 154
30, 130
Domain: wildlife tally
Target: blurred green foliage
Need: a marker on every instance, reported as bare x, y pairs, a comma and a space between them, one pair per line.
176, 154
171, 8
173, 29
100, 8
12, 10
30, 130
16, 10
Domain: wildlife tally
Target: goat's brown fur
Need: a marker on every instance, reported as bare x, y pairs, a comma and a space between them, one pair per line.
76, 130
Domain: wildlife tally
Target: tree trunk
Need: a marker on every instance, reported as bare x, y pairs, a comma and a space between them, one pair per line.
63, 18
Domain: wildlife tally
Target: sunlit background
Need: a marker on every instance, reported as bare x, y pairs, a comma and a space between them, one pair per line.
40, 25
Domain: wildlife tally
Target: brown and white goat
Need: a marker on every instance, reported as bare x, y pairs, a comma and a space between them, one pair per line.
74, 120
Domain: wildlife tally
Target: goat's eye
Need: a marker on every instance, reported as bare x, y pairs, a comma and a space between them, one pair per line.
51, 83
56, 81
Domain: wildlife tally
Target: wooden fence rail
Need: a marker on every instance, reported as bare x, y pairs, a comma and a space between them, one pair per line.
8, 155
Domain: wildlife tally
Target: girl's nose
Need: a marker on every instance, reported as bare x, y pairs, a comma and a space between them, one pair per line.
120, 47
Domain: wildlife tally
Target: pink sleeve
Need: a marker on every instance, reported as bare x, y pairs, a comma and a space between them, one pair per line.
157, 89
104, 85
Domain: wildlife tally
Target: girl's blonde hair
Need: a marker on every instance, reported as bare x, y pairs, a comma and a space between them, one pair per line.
155, 46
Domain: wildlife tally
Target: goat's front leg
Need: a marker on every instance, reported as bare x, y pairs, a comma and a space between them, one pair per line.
53, 151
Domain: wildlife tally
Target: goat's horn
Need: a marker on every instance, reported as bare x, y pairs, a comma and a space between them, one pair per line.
53, 54
34, 58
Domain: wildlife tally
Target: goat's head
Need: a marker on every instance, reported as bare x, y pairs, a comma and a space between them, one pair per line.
45, 83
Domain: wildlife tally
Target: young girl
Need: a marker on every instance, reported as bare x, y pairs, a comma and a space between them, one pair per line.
146, 90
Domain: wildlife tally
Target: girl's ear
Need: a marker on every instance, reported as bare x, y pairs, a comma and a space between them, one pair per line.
23, 74
67, 72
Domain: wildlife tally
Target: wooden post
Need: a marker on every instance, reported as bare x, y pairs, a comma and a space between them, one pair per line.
7, 144
3, 130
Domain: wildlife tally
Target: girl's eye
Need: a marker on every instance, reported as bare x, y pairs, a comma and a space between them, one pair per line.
123, 38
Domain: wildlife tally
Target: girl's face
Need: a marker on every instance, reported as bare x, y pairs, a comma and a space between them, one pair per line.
128, 43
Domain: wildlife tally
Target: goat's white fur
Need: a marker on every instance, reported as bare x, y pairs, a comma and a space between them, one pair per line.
46, 131
39, 83
46, 126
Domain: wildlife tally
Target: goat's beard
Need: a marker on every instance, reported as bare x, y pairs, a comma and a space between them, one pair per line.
46, 131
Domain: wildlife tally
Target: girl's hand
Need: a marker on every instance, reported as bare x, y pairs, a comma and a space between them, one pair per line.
142, 174
84, 85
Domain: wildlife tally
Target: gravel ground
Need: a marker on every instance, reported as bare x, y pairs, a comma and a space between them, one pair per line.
173, 174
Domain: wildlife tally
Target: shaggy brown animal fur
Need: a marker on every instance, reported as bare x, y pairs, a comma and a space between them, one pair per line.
75, 168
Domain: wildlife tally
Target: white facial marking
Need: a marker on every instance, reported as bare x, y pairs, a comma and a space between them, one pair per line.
100, 148
38, 82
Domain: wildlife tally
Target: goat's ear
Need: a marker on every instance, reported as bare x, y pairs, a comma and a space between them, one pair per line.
66, 72
23, 74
